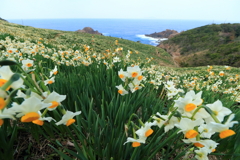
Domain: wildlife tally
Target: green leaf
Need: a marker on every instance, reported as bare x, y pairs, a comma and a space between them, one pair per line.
7, 63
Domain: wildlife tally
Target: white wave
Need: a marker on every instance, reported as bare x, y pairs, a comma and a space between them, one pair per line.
153, 41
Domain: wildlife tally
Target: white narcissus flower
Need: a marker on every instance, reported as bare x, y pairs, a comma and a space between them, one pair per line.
136, 142
27, 63
169, 84
67, 118
134, 85
116, 59
221, 73
134, 72
41, 120
7, 113
159, 121
5, 75
29, 109
201, 154
121, 90
20, 94
55, 99
54, 71
209, 144
205, 130
123, 75
187, 127
49, 81
168, 124
189, 103
219, 110
224, 128
145, 131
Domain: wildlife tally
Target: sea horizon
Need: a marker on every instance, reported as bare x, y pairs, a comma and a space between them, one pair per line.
131, 29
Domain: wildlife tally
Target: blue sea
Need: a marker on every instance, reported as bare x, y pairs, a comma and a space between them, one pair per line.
131, 29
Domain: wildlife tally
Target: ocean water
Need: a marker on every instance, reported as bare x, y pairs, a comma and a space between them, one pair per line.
131, 29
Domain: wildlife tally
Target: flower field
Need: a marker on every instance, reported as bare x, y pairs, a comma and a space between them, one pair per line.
62, 98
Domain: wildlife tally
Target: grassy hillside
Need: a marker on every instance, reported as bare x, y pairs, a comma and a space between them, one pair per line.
76, 41
78, 96
207, 45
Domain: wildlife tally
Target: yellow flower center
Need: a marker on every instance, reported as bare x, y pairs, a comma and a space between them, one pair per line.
189, 107
50, 82
121, 75
215, 113
70, 121
29, 117
191, 134
54, 104
134, 74
136, 144
198, 144
213, 150
29, 64
205, 130
1, 122
38, 122
120, 91
140, 78
149, 132
2, 103
2, 82
55, 72
221, 74
226, 133
10, 51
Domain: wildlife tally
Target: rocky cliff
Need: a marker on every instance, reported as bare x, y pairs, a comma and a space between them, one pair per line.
164, 34
89, 30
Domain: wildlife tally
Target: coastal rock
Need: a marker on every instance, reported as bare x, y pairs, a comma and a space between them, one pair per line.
164, 34
89, 30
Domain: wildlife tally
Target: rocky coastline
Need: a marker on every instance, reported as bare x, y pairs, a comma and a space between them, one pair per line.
89, 30
164, 34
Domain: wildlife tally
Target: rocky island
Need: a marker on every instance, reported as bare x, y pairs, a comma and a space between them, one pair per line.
164, 34
89, 30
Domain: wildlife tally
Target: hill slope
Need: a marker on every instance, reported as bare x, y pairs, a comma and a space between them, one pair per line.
64, 40
206, 45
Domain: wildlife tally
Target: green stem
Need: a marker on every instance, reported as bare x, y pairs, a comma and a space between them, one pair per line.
29, 79
62, 110
133, 115
13, 78
45, 112
212, 114
196, 111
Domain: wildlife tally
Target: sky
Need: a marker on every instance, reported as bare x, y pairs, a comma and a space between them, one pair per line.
214, 10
